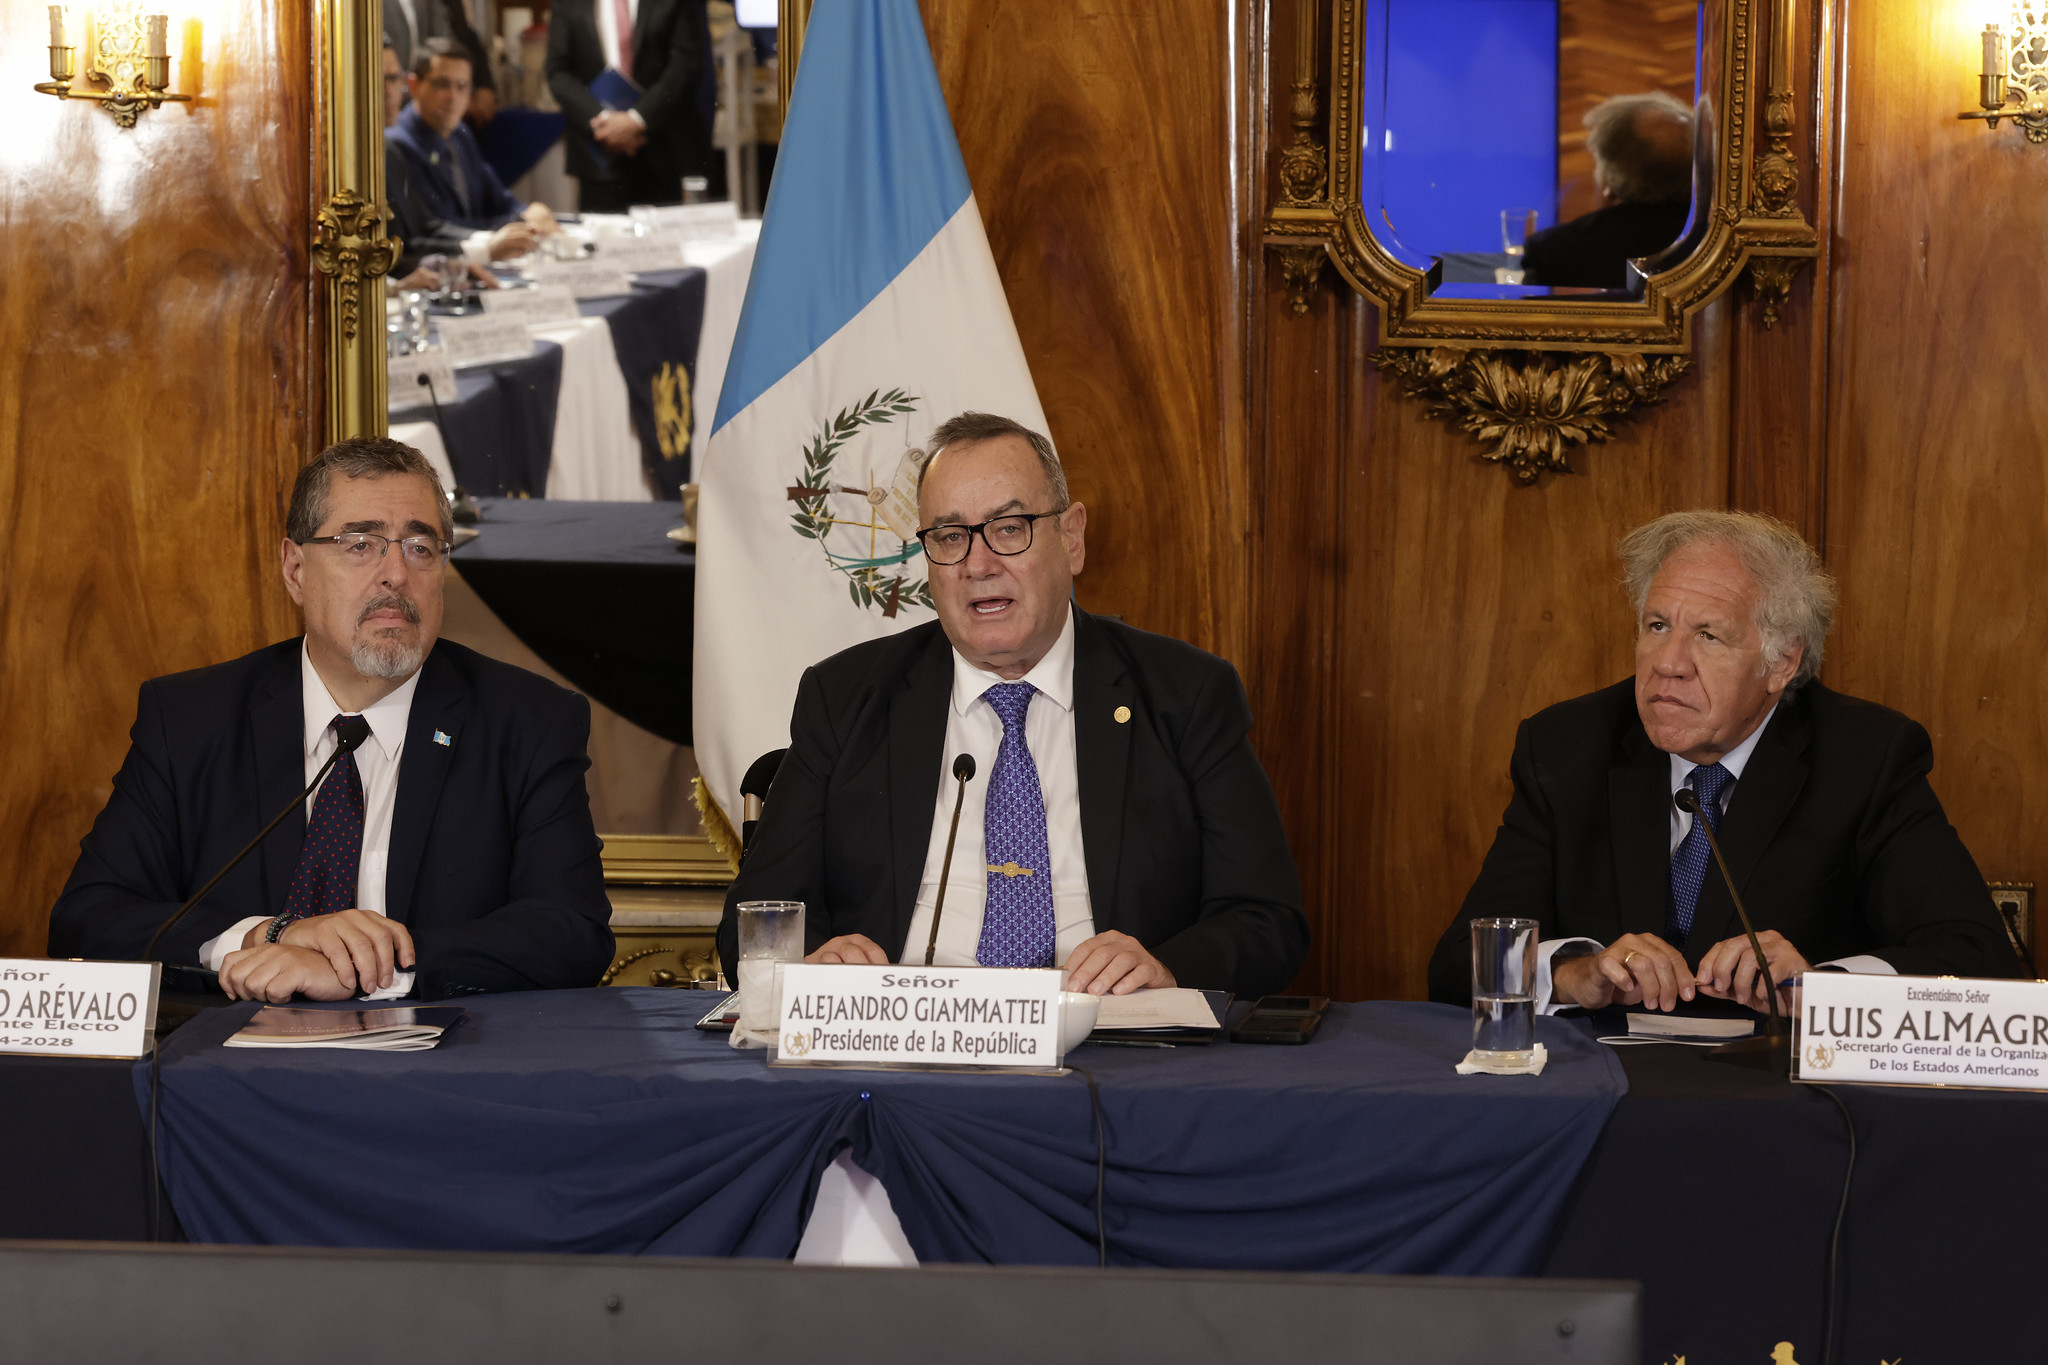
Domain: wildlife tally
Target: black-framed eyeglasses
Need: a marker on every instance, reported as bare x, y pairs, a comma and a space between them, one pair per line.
361, 549
1009, 535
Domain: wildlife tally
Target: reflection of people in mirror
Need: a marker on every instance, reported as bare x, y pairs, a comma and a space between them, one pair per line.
1642, 162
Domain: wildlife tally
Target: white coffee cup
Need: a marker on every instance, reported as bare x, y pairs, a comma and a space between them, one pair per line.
1078, 1010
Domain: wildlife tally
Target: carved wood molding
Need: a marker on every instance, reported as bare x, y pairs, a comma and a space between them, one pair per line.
1533, 408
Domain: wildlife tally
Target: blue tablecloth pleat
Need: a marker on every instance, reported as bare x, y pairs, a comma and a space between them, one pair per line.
600, 1121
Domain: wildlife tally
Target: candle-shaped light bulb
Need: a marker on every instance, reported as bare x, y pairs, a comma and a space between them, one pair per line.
60, 26
1994, 51
159, 35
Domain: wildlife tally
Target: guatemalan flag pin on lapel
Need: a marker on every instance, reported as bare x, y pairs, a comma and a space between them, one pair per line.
444, 739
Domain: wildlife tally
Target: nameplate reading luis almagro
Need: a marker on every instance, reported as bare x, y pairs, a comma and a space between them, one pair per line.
68, 1008
933, 1018
1922, 1030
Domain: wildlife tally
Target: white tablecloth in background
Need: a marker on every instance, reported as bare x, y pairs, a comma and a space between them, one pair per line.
596, 455
425, 437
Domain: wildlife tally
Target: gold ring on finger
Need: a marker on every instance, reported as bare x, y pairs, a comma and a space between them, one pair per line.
1632, 953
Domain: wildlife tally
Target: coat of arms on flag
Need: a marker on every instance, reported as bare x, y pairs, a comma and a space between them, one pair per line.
873, 314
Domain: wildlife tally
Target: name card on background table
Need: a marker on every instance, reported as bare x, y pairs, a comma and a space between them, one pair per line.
924, 1017
541, 306
1922, 1030
403, 374
695, 222
480, 341
65, 1008
659, 251
591, 279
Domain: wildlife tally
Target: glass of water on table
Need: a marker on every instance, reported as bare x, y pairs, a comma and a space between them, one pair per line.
1504, 990
771, 932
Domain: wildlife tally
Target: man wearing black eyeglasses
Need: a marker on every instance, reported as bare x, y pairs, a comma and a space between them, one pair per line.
449, 851
1118, 824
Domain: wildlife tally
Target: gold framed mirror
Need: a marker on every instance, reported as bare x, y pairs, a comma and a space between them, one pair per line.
1745, 212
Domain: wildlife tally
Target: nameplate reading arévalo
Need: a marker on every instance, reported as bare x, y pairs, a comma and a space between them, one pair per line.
591, 279
1922, 1030
484, 340
1006, 1017
544, 305
63, 1008
403, 376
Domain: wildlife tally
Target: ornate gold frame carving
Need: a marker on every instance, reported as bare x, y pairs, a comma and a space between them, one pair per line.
1754, 223
349, 246
792, 16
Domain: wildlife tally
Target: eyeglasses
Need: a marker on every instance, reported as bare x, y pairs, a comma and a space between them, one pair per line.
949, 544
361, 549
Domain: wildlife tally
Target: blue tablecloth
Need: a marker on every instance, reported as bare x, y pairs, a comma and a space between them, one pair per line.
655, 330
500, 430
601, 1121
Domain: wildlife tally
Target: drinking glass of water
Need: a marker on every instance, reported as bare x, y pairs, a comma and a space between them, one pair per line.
1504, 990
770, 932
1516, 227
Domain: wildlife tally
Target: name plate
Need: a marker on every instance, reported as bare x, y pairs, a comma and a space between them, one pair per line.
405, 374
542, 306
1922, 1030
692, 222
659, 251
77, 1009
1007, 1017
591, 279
480, 341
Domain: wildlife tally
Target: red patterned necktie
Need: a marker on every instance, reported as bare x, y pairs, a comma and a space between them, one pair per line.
326, 879
624, 10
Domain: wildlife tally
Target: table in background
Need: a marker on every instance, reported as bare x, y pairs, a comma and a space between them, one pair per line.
600, 593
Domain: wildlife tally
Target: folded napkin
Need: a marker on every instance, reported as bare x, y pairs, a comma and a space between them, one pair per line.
1533, 1067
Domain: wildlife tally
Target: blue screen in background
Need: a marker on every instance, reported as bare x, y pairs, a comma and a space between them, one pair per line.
1467, 125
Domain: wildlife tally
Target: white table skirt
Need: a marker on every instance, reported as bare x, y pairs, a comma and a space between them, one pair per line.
596, 454
852, 1222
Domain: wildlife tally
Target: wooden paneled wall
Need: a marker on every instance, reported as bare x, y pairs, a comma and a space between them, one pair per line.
154, 402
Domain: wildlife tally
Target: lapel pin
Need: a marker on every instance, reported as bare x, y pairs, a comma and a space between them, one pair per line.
442, 738
1123, 714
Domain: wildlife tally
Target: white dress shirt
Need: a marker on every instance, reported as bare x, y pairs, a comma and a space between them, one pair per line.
972, 727
377, 764
1735, 760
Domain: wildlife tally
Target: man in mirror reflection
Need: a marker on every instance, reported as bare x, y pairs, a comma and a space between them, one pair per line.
1642, 148
1838, 844
1117, 825
451, 852
447, 178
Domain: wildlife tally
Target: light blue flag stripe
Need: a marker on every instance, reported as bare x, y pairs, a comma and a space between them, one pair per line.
868, 173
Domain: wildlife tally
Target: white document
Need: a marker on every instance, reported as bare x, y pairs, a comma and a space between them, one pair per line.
1167, 1007
1680, 1026
482, 340
409, 377
1921, 1030
67, 1008
541, 306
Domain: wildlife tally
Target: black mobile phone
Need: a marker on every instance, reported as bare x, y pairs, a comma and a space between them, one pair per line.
1282, 1019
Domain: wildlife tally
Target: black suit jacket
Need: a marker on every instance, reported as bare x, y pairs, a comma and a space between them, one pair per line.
1182, 836
669, 45
1832, 833
1594, 250
493, 860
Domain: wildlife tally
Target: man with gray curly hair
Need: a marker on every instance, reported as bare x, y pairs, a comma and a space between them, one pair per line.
1642, 147
1821, 802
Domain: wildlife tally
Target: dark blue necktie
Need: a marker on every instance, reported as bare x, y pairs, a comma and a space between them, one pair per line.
1710, 782
1017, 927
326, 879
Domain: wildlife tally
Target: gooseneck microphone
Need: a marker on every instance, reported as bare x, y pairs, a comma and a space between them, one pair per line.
353, 731
963, 770
1688, 801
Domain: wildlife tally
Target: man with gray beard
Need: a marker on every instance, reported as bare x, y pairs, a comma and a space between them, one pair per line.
450, 852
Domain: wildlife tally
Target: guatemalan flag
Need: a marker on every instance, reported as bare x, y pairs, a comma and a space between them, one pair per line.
874, 313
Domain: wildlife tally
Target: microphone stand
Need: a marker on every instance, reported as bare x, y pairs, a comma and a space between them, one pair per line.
1772, 1049
963, 769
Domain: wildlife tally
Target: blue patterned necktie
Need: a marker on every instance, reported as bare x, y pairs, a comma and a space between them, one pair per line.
326, 879
1017, 928
1689, 865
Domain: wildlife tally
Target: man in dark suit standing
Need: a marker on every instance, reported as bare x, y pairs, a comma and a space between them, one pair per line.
1821, 802
450, 853
1118, 824
625, 153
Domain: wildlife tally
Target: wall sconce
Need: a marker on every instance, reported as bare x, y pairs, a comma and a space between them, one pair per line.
2014, 83
131, 55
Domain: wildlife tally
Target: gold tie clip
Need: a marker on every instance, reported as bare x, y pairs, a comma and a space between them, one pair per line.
1009, 869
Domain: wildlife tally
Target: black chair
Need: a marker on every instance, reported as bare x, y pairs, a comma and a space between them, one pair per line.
753, 791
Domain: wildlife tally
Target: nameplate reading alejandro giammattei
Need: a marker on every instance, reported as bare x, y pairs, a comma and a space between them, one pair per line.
1922, 1030
1007, 1017
66, 1008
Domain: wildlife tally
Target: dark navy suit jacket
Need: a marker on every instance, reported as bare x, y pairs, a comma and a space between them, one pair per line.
431, 182
1179, 828
493, 860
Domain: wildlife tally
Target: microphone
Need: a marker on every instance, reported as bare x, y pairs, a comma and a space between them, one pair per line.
354, 730
1775, 1042
963, 769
